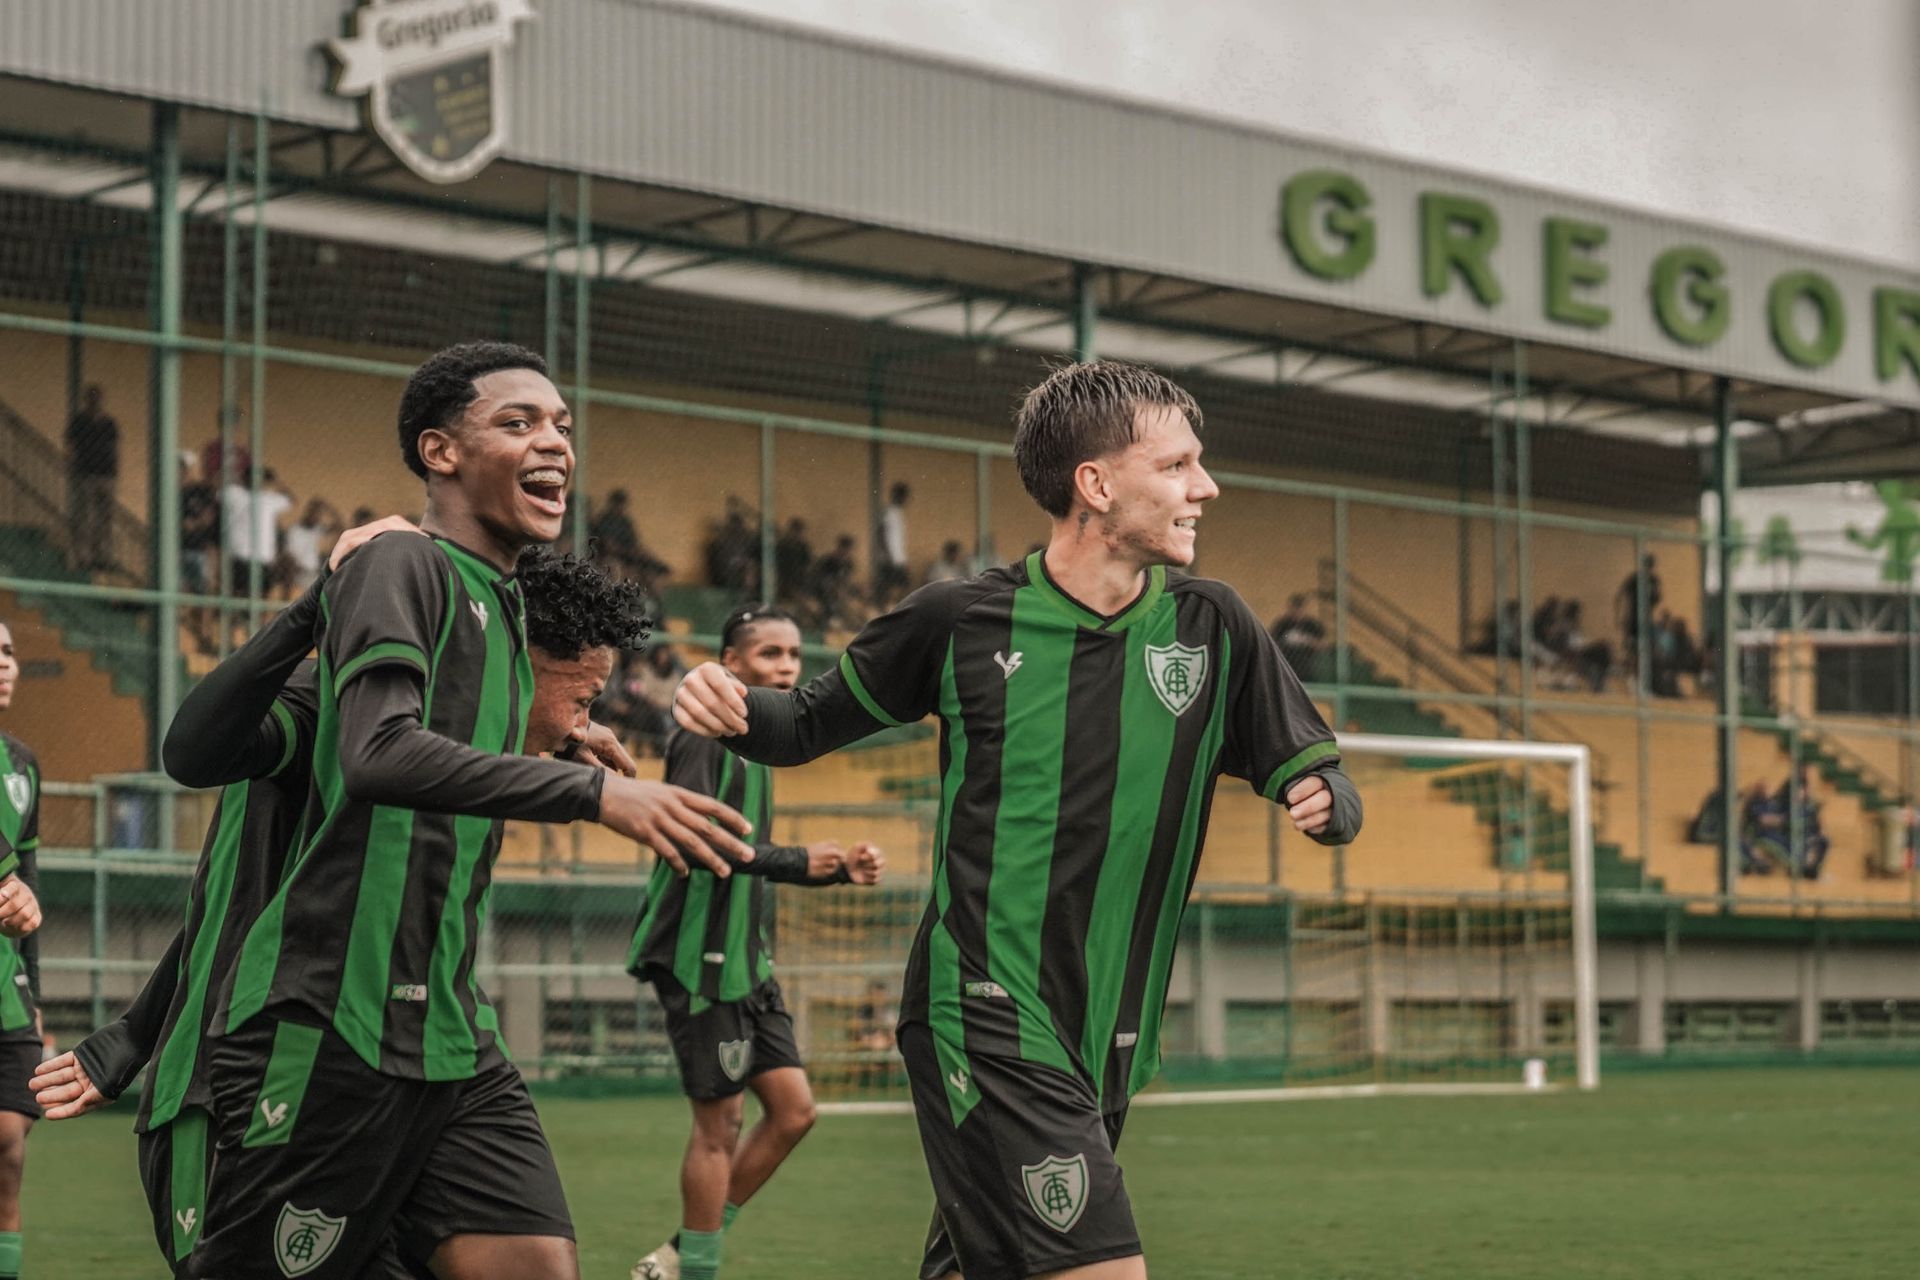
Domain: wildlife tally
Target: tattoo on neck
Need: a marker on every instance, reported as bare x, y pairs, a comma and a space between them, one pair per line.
1085, 516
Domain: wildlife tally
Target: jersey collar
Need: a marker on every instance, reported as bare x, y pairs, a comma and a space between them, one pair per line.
478, 563
1082, 616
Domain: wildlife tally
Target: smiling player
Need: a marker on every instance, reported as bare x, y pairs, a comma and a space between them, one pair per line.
1089, 698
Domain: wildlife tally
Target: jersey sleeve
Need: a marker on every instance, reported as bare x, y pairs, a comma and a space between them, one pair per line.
1274, 732
386, 606
892, 668
296, 713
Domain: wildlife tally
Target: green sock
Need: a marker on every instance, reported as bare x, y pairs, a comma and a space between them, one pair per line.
727, 1215
10, 1247
700, 1254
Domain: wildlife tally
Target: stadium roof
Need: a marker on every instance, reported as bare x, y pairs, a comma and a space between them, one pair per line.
759, 162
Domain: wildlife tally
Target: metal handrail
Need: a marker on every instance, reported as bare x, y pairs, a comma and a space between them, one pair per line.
1425, 647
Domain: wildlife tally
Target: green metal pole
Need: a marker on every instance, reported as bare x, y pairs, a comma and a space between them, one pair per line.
552, 347
1342, 660
167, 267
1643, 730
983, 554
1522, 501
229, 373
1726, 480
1086, 313
582, 344
257, 407
769, 570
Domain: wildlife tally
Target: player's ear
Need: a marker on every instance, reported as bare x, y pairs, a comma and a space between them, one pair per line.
1093, 486
440, 449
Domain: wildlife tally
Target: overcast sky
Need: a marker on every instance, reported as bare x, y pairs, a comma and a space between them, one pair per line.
1796, 118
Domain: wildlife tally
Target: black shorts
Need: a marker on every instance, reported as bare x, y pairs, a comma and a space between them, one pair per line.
1026, 1182
18, 1058
174, 1159
322, 1164
726, 1044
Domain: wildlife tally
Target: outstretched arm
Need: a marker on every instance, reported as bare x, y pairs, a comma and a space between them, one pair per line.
105, 1064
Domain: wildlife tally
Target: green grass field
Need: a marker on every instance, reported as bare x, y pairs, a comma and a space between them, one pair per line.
1797, 1173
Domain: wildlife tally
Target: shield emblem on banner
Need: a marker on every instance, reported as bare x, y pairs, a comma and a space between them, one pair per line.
19, 791
1177, 674
303, 1238
1057, 1189
733, 1057
435, 76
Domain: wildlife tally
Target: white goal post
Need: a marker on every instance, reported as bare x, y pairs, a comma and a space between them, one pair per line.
1576, 757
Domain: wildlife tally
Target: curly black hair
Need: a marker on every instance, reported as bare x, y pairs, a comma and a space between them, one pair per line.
573, 606
441, 389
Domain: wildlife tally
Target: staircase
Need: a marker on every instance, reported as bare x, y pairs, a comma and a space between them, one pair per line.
1379, 631
1841, 768
33, 544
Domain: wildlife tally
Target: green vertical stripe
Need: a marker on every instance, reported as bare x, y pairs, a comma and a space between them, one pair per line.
276, 1111
690, 946
289, 736
260, 952
12, 820
736, 977
187, 1179
173, 1068
365, 985
943, 956
1034, 738
1146, 1061
448, 1046
1146, 738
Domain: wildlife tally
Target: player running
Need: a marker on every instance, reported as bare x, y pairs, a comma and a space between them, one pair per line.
1089, 698
20, 1030
353, 1050
706, 946
577, 620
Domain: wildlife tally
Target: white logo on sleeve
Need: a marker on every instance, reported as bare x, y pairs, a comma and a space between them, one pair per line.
274, 1116
187, 1220
479, 608
1008, 665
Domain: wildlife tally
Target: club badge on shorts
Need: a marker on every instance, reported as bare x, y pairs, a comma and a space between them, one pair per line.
303, 1238
733, 1057
1057, 1189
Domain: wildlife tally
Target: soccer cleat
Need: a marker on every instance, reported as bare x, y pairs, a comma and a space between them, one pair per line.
662, 1264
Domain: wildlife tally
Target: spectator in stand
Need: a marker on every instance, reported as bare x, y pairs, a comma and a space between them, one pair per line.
891, 575
792, 560
617, 547
657, 676
93, 469
1626, 605
1763, 835
733, 550
832, 585
951, 565
1685, 654
1301, 637
1585, 661
307, 545
1810, 854
199, 526
250, 523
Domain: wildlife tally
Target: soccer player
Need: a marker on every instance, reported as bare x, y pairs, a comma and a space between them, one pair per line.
1089, 697
577, 619
706, 946
356, 1077
20, 1030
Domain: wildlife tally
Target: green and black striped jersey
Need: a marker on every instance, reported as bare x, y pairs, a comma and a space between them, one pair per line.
19, 845
1078, 757
715, 937
424, 685
255, 824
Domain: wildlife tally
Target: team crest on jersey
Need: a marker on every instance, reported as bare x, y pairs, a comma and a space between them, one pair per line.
1057, 1189
19, 791
1177, 674
303, 1238
733, 1057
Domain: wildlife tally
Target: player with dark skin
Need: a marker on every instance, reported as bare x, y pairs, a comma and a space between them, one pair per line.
19, 916
497, 482
720, 1167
